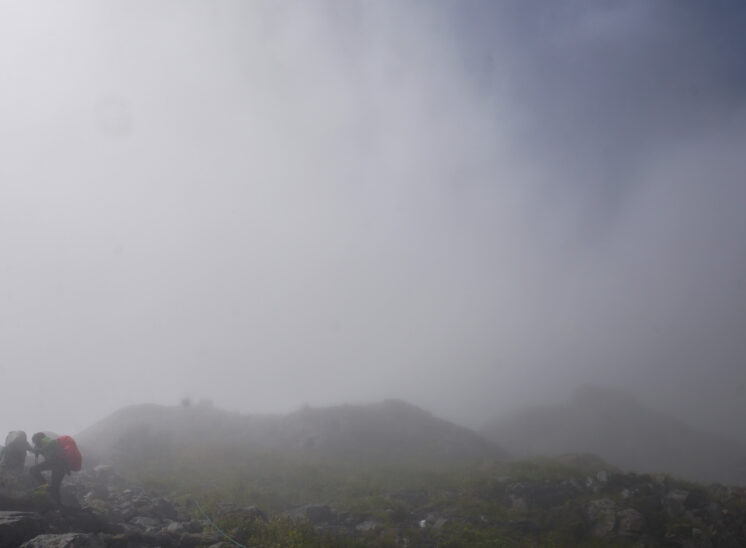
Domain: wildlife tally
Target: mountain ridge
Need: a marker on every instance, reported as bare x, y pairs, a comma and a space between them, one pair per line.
391, 428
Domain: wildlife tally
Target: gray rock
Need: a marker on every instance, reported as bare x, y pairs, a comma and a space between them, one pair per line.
629, 522
127, 511
70, 496
677, 495
543, 494
602, 516
17, 527
518, 503
201, 539
162, 508
99, 491
146, 523
103, 472
66, 540
236, 513
411, 497
719, 490
319, 513
196, 526
174, 527
367, 525
673, 502
439, 523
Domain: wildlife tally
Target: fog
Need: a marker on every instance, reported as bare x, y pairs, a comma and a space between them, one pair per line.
471, 206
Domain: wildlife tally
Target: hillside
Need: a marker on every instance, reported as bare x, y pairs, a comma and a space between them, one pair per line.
380, 475
573, 501
620, 429
390, 429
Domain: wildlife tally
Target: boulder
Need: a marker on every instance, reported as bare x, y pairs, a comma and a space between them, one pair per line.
674, 501
629, 522
71, 495
366, 526
237, 513
146, 523
17, 527
602, 516
545, 494
104, 472
319, 513
66, 540
174, 527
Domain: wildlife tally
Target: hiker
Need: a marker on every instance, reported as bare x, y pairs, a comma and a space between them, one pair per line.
14, 455
61, 456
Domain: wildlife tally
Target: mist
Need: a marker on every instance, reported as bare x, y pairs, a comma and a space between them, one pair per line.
469, 206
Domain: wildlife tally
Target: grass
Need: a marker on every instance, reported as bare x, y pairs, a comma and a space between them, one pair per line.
473, 498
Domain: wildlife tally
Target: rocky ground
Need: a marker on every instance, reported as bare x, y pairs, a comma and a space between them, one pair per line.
99, 510
603, 508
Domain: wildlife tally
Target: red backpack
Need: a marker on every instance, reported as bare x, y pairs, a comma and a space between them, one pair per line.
70, 450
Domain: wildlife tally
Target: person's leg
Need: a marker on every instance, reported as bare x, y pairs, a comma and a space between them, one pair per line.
58, 472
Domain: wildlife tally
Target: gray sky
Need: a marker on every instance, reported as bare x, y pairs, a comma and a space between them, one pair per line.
468, 205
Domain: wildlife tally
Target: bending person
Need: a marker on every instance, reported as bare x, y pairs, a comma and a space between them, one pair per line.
54, 461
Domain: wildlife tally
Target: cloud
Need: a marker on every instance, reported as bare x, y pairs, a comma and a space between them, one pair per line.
269, 204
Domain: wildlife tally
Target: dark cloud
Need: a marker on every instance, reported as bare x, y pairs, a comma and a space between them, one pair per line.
596, 85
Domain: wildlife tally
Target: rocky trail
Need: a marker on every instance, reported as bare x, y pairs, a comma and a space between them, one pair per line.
99, 509
608, 507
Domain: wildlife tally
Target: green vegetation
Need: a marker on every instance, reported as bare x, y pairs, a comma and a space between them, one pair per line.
420, 502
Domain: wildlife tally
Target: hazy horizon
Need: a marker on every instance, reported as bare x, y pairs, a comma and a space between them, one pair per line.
470, 206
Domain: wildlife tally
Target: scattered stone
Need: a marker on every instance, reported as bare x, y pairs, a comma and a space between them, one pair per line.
629, 522
111, 513
174, 527
410, 497
17, 527
439, 523
235, 512
65, 540
602, 516
318, 513
146, 523
104, 472
674, 502
366, 526
518, 503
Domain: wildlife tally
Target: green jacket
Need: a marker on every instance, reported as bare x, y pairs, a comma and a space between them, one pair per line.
49, 448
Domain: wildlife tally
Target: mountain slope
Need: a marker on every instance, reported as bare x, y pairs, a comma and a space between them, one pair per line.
391, 429
617, 427
293, 502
